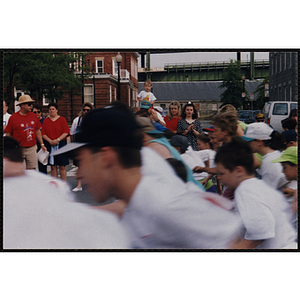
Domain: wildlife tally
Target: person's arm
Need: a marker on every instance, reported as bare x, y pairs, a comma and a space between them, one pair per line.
196, 127
219, 187
40, 139
199, 169
247, 244
117, 207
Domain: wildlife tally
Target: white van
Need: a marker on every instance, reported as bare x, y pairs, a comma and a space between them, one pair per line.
276, 111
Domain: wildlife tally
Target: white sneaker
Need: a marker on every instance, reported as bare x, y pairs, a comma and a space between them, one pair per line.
77, 189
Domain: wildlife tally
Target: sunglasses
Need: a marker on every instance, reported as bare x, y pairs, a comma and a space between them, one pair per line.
37, 112
86, 110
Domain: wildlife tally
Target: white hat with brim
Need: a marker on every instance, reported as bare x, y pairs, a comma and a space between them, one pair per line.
25, 99
258, 131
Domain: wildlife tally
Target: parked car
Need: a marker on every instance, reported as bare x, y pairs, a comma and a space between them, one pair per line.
276, 111
248, 116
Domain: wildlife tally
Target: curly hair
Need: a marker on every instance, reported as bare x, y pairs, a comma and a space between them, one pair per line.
194, 116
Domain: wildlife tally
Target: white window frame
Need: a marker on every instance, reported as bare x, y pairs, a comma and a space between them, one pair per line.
115, 67
110, 93
97, 68
89, 94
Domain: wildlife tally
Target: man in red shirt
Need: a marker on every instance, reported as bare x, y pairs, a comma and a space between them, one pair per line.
25, 127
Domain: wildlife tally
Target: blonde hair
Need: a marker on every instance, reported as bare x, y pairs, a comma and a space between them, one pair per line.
227, 107
172, 104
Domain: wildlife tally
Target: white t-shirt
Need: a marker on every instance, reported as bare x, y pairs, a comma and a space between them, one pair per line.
74, 126
265, 214
196, 158
148, 96
166, 213
41, 213
6, 118
271, 173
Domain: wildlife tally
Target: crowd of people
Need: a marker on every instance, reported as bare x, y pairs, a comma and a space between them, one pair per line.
176, 185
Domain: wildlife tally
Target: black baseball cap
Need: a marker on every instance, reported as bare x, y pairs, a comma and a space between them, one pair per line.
112, 125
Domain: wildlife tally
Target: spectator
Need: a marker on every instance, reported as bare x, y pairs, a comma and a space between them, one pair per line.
158, 111
46, 216
86, 107
145, 97
173, 116
153, 116
189, 125
25, 127
6, 115
263, 209
294, 114
162, 212
38, 111
260, 118
267, 142
55, 131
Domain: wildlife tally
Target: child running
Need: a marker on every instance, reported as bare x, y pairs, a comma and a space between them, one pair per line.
264, 211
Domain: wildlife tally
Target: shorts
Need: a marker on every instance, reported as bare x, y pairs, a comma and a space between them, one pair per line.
30, 157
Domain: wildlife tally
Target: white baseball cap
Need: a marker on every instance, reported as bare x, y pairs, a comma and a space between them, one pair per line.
258, 131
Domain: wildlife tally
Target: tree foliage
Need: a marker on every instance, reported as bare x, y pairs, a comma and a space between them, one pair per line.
233, 84
260, 94
41, 74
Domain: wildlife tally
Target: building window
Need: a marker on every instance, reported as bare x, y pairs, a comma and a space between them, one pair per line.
110, 93
99, 66
134, 69
89, 93
115, 67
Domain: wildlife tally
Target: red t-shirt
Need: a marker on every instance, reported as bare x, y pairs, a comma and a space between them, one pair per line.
172, 125
54, 129
23, 128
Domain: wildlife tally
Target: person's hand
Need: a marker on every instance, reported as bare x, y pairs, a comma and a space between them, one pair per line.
198, 169
54, 142
43, 147
191, 127
288, 192
153, 114
204, 182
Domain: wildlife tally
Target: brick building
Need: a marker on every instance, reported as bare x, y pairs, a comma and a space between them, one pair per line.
100, 86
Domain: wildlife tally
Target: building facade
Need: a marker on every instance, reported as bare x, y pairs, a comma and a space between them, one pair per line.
98, 73
283, 80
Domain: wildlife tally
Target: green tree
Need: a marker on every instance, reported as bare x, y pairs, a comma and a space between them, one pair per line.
260, 94
233, 84
42, 74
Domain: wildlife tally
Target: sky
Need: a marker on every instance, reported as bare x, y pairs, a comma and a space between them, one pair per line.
159, 60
